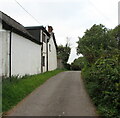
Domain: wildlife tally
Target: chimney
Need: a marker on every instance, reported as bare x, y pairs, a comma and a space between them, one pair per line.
50, 29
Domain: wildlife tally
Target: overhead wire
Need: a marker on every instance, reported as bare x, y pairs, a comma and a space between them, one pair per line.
27, 12
99, 11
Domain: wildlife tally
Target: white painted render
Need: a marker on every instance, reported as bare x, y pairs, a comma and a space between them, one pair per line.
4, 53
0, 49
52, 55
26, 56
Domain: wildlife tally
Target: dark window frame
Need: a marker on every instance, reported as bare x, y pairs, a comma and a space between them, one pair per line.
50, 47
43, 37
43, 60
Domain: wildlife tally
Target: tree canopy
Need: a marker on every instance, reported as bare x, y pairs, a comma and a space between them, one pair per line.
78, 64
100, 48
97, 41
63, 53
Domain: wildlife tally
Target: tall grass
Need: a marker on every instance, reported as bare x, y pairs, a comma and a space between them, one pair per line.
17, 89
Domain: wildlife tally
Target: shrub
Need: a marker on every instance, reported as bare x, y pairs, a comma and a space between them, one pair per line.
78, 64
103, 82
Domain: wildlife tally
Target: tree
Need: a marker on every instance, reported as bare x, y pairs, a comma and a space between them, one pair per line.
97, 41
78, 64
63, 53
116, 34
100, 47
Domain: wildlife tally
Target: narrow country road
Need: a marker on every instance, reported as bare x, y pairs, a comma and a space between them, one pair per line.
61, 95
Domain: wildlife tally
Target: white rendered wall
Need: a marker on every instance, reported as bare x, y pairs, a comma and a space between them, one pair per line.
0, 49
52, 56
4, 52
26, 56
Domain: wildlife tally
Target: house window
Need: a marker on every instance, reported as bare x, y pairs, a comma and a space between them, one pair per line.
43, 63
49, 47
43, 37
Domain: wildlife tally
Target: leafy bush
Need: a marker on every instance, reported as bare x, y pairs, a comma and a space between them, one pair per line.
67, 66
101, 49
103, 83
78, 64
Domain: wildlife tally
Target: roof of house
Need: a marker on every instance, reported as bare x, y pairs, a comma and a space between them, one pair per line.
10, 24
54, 41
44, 29
38, 28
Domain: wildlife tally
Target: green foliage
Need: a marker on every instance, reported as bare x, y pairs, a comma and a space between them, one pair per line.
63, 53
101, 74
17, 89
103, 83
96, 42
116, 34
78, 64
67, 66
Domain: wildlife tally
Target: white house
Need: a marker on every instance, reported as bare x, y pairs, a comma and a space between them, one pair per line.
23, 51
52, 50
49, 46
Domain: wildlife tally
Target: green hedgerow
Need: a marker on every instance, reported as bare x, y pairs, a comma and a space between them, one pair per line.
103, 83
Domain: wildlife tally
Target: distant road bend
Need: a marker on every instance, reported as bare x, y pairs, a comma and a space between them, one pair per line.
61, 95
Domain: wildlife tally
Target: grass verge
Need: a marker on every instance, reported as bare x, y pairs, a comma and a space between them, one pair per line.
17, 89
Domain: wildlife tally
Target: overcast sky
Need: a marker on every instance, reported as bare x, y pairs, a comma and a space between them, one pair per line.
69, 18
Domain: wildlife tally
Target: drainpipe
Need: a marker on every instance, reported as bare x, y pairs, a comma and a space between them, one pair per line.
42, 58
10, 54
41, 51
47, 55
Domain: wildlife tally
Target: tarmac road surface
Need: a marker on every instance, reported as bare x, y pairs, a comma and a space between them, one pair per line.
61, 95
